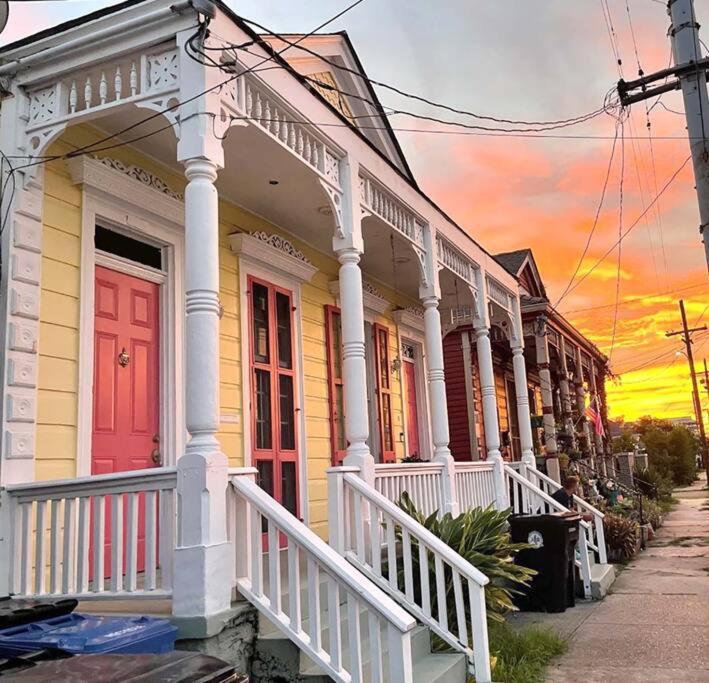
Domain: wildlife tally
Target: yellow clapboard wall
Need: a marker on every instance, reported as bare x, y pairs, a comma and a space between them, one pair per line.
59, 332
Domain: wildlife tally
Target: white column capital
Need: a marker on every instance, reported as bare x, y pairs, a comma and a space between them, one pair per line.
348, 216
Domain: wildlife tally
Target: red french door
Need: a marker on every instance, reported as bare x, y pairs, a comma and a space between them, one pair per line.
412, 417
273, 386
333, 333
383, 385
126, 394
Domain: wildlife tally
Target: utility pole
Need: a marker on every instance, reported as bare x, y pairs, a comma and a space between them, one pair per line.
685, 333
691, 71
705, 381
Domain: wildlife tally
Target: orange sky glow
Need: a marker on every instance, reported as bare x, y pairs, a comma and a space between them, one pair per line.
544, 59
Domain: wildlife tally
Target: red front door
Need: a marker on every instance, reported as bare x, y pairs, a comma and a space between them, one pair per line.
273, 387
412, 417
126, 380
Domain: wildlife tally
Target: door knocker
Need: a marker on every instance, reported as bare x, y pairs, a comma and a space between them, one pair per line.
123, 358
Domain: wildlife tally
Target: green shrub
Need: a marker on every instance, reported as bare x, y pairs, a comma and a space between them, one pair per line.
481, 536
630, 509
622, 533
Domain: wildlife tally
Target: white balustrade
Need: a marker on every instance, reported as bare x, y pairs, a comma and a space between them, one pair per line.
527, 498
349, 627
126, 79
422, 481
108, 535
595, 536
475, 484
421, 572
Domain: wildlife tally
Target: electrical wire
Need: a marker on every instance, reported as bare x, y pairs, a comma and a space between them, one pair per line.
631, 300
596, 217
634, 223
401, 92
620, 240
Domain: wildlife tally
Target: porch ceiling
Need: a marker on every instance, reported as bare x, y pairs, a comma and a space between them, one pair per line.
265, 179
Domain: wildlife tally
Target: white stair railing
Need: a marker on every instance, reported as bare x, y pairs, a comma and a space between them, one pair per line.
527, 498
595, 537
103, 536
372, 643
385, 543
422, 481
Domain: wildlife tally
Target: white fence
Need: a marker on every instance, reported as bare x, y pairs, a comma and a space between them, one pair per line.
108, 535
349, 627
475, 484
434, 583
422, 481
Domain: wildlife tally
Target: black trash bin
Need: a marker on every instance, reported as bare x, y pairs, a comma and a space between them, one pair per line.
554, 539
18, 611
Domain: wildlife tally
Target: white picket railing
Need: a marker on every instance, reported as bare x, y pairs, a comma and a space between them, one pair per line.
349, 627
104, 536
422, 481
527, 498
386, 544
595, 536
474, 484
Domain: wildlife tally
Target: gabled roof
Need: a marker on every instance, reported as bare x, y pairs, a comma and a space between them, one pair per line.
333, 69
522, 265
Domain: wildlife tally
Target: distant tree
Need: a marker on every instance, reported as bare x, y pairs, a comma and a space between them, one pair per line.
625, 443
647, 422
672, 452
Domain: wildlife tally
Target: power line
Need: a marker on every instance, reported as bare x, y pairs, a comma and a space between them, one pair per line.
620, 241
637, 298
400, 91
596, 217
635, 222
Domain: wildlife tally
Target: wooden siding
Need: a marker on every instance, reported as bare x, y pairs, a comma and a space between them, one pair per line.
59, 333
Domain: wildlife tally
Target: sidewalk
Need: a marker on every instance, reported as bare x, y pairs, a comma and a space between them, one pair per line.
654, 626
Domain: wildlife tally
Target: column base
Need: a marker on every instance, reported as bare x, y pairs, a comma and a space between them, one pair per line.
364, 461
202, 585
553, 469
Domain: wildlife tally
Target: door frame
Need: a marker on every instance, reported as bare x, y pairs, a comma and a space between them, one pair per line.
421, 388
123, 217
249, 268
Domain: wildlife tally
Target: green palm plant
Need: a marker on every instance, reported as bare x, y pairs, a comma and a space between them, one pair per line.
480, 536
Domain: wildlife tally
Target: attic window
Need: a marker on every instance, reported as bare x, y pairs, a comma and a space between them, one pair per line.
331, 93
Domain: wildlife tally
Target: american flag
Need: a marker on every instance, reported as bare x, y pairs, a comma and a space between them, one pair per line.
594, 415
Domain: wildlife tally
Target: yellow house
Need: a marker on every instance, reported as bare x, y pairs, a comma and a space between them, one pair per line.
224, 300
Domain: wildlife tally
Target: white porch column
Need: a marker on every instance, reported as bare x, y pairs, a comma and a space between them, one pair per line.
524, 418
550, 445
430, 294
565, 393
348, 245
581, 403
487, 391
203, 561
596, 401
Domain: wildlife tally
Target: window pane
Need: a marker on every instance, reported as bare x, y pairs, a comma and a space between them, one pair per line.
265, 475
259, 302
340, 442
386, 422
283, 314
263, 409
285, 386
288, 487
336, 345
383, 357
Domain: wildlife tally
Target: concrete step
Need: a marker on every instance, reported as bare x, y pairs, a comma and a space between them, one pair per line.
602, 578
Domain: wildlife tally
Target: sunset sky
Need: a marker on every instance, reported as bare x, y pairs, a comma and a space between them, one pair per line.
537, 60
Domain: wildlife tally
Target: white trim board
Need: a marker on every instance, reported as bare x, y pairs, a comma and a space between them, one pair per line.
113, 205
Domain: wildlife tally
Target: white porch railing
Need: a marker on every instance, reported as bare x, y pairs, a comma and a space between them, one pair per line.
104, 536
385, 544
422, 481
527, 498
474, 484
272, 547
595, 536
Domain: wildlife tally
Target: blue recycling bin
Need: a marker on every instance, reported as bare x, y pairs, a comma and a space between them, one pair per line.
82, 634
